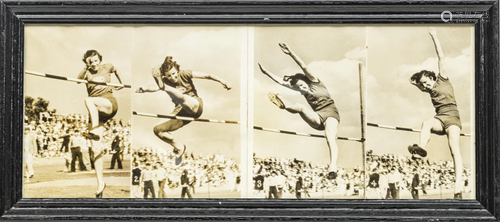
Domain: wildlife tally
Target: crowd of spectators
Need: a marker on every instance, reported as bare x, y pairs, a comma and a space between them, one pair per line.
195, 171
432, 174
50, 136
303, 178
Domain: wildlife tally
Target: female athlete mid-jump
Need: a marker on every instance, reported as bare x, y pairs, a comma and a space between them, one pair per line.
447, 118
178, 84
101, 105
322, 114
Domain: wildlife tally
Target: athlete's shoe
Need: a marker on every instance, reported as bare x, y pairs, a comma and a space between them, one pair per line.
273, 97
416, 151
100, 194
332, 175
458, 196
178, 158
90, 136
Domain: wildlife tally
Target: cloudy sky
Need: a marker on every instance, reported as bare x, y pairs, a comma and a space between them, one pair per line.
59, 50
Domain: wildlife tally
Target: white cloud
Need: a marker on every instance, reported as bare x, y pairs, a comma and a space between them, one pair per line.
357, 53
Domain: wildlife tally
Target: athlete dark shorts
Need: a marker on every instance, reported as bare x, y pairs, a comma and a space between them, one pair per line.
328, 111
180, 111
103, 117
449, 117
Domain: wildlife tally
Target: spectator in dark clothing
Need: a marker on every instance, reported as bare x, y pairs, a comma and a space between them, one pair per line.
185, 184
298, 187
414, 185
374, 184
115, 148
65, 143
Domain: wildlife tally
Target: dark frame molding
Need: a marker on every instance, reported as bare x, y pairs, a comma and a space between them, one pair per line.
482, 13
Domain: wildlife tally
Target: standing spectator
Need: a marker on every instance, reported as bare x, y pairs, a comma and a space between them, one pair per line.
258, 184
414, 184
65, 144
394, 180
161, 177
76, 142
273, 186
29, 148
374, 183
185, 184
115, 149
147, 176
298, 187
136, 180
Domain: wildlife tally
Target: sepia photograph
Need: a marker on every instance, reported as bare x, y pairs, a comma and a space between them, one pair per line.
334, 112
186, 111
420, 112
307, 137
77, 111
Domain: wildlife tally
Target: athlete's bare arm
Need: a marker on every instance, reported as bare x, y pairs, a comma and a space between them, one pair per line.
82, 74
299, 62
119, 79
439, 52
202, 75
152, 88
274, 77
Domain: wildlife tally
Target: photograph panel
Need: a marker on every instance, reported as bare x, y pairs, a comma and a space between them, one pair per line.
190, 76
420, 80
306, 93
77, 127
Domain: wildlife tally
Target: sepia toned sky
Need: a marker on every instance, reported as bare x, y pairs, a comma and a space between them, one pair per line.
59, 49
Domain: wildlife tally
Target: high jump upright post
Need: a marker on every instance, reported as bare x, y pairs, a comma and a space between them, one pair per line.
362, 104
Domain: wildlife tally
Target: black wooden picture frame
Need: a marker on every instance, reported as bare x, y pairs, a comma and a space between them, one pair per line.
482, 13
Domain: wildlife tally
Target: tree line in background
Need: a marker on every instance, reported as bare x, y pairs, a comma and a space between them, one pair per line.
34, 109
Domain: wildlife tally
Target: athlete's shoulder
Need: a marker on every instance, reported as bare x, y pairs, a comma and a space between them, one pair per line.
108, 66
186, 73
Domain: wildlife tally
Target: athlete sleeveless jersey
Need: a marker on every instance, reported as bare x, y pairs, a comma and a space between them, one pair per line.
318, 97
443, 96
103, 75
184, 83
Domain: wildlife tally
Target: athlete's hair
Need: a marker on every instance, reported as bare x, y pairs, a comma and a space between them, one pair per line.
295, 78
90, 53
418, 76
168, 64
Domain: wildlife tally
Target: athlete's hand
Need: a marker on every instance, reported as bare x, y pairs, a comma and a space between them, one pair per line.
116, 88
285, 48
226, 85
262, 69
432, 31
139, 90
